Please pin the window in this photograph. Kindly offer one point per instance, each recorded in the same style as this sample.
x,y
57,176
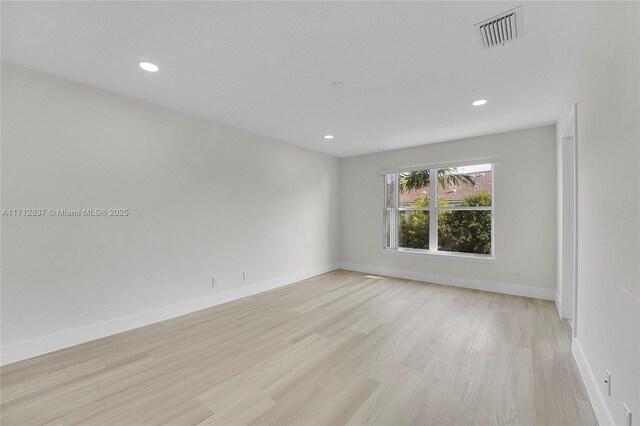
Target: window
x,y
450,214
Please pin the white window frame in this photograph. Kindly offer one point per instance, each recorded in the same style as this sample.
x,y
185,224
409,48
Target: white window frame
x,y
392,209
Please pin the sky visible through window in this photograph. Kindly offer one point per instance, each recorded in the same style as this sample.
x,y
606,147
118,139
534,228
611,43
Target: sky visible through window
x,y
473,169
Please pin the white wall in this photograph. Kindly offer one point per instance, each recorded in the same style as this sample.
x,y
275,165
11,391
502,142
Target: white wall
x,y
607,90
525,208
205,200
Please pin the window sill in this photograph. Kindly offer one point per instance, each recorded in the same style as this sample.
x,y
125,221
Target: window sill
x,y
444,255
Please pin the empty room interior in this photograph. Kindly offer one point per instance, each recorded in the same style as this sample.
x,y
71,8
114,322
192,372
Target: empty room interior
x,y
320,213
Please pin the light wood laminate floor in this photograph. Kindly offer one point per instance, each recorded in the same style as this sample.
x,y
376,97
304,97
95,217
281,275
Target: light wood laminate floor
x,y
340,348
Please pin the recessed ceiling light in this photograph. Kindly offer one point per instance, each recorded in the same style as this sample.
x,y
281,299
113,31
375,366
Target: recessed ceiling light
x,y
328,136
479,102
148,66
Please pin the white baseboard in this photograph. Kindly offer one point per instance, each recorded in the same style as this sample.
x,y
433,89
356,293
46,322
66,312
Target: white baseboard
x,y
496,287
53,342
593,389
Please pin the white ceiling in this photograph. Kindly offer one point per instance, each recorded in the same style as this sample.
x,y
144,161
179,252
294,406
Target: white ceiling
x,y
411,69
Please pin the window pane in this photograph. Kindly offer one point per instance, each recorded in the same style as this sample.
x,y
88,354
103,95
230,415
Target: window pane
x,y
388,190
466,231
414,230
465,186
390,218
414,189
387,228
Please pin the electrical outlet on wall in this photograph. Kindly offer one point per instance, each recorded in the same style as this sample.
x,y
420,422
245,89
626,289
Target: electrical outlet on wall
x,y
214,282
517,275
245,276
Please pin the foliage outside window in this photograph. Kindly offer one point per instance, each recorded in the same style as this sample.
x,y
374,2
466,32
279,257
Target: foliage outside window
x,y
459,221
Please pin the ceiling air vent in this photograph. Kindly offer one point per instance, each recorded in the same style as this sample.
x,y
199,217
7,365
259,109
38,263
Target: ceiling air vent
x,y
502,28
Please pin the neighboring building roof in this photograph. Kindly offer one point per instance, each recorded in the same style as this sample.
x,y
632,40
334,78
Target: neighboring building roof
x,y
455,193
